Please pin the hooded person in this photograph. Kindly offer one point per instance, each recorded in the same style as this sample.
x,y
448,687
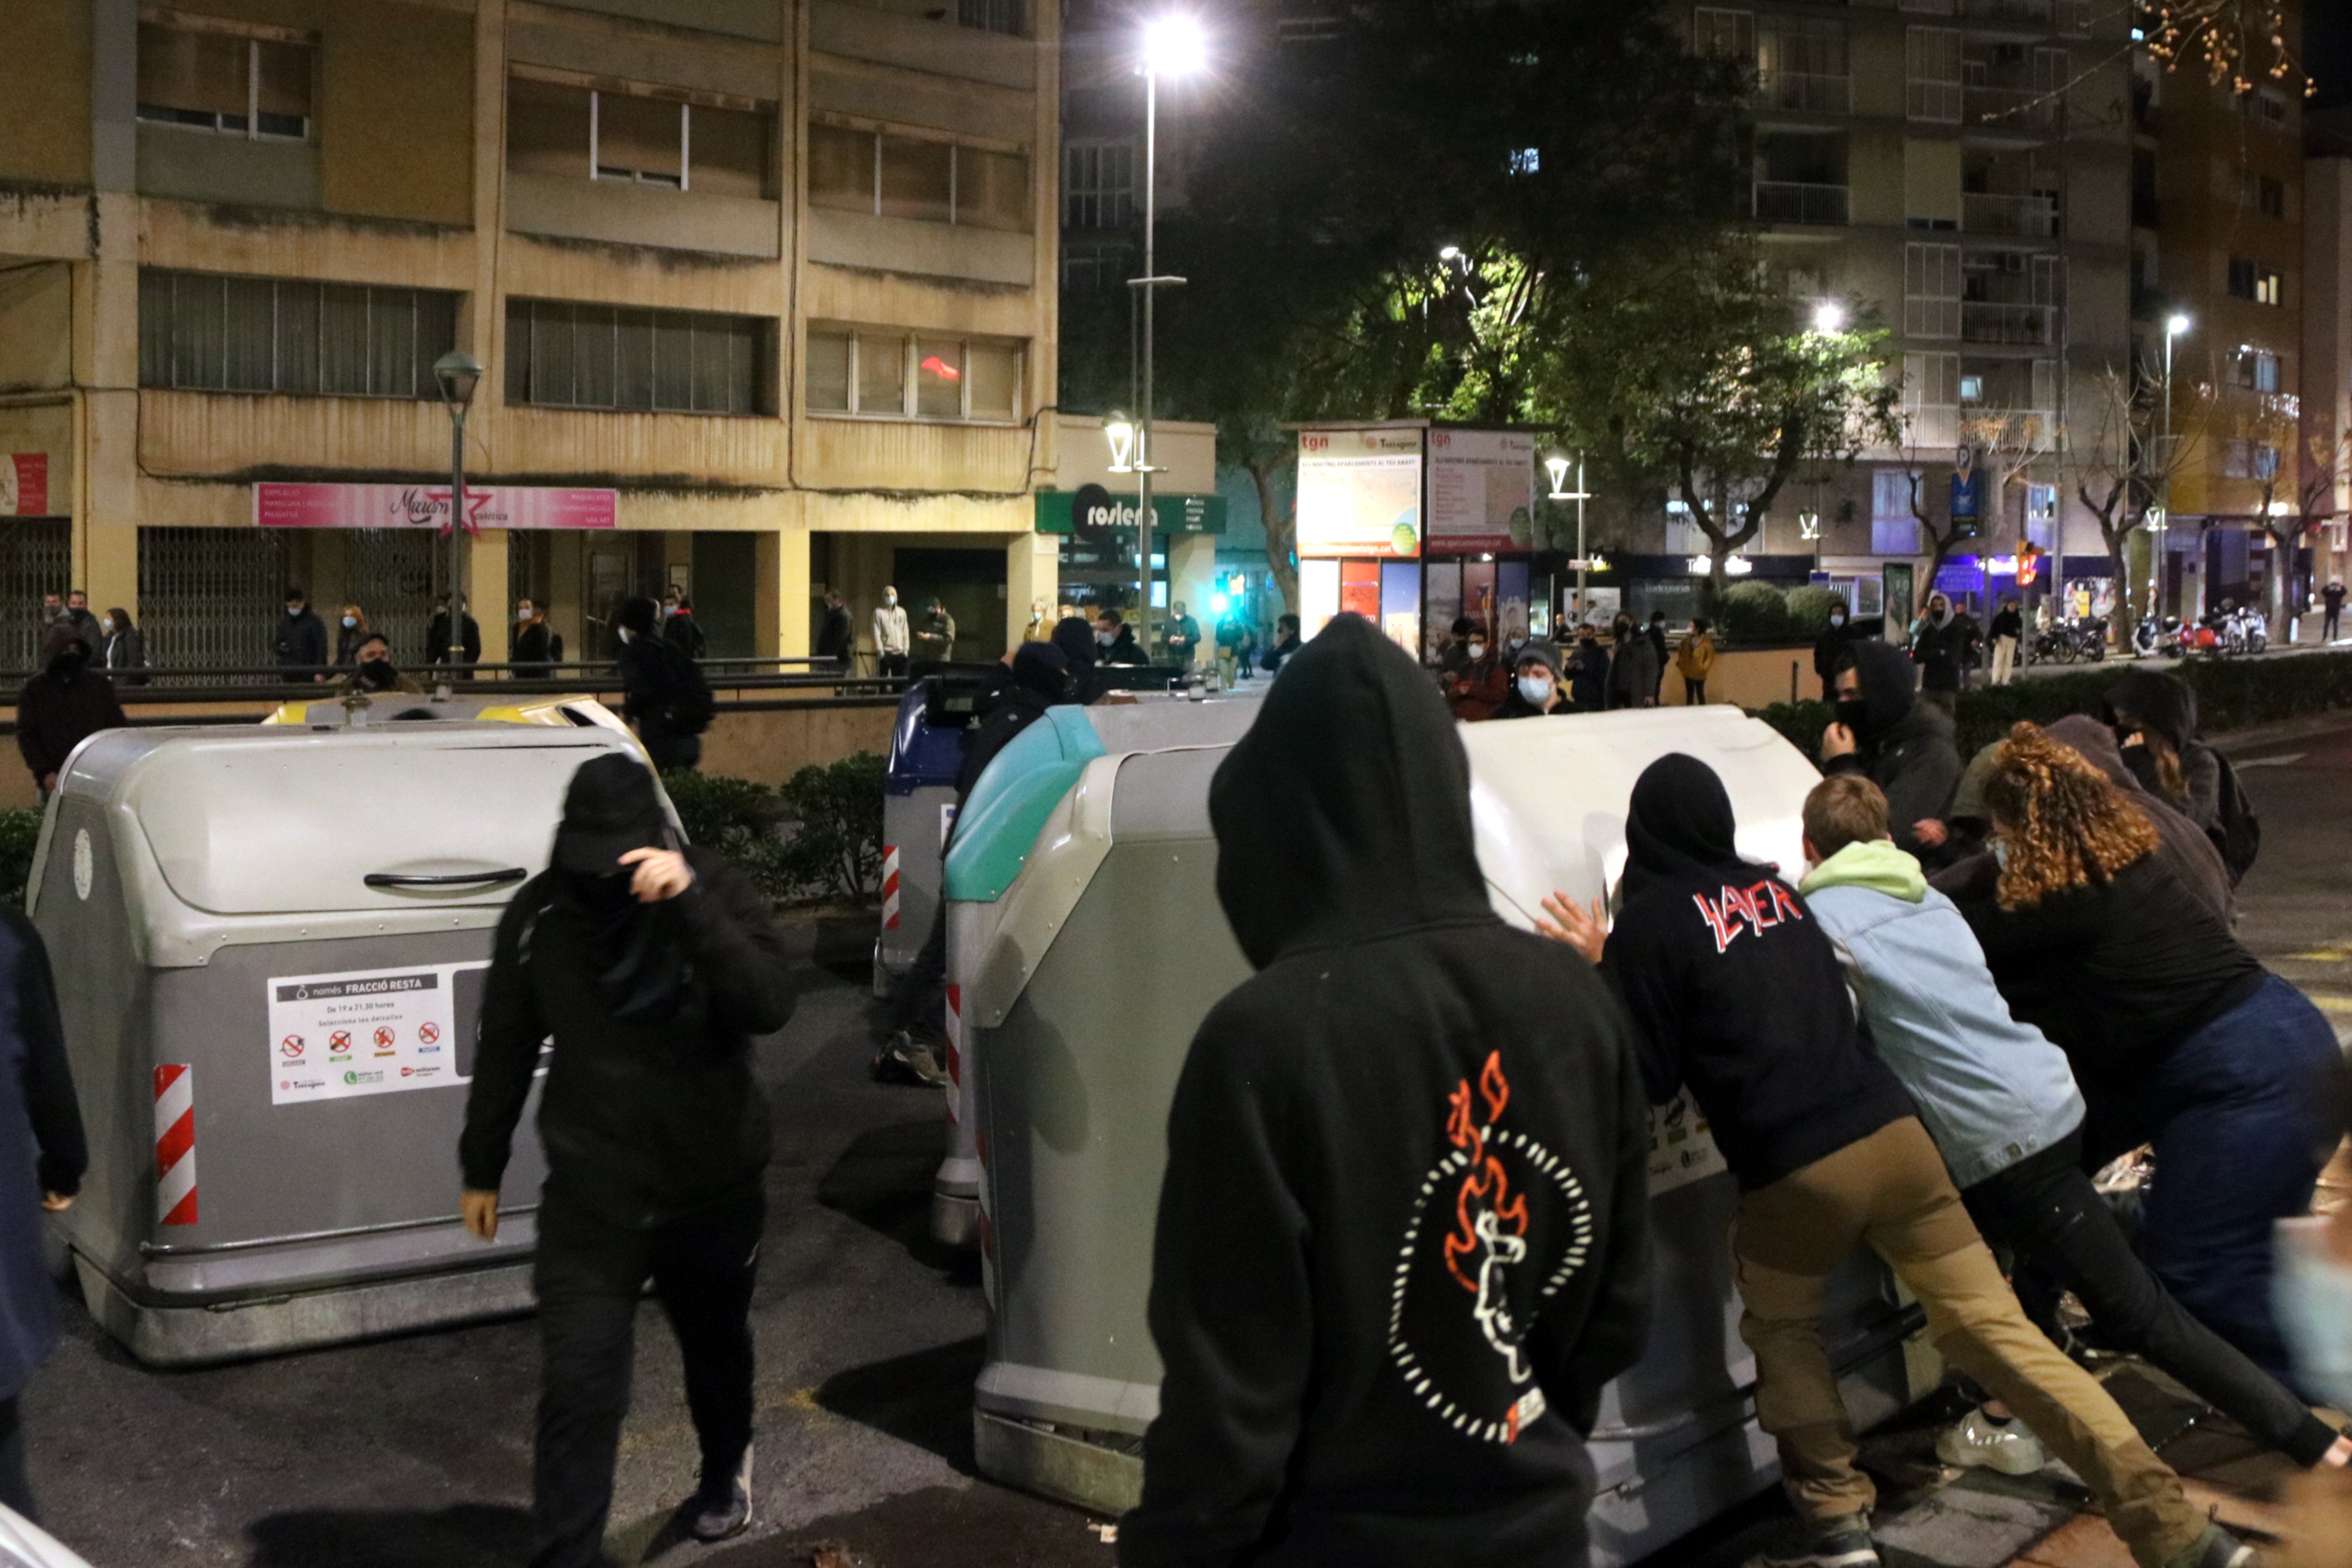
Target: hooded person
x,y
1588,672
1534,681
2185,847
2158,712
1040,678
1736,990
663,691
62,706
653,969
1373,1356
1830,648
1904,744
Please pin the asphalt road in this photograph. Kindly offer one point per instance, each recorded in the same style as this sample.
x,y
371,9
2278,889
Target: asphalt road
x,y
416,1451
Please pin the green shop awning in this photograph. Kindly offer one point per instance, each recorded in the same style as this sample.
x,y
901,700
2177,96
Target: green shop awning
x,y
1171,514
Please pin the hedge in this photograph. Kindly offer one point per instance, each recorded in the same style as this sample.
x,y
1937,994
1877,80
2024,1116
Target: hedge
x,y
19,831
817,835
2231,694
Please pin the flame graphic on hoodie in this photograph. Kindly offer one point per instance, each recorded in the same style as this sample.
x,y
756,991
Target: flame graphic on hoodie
x,y
1490,1221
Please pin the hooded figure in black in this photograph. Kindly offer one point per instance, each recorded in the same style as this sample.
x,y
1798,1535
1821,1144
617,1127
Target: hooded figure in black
x,y
1402,1239
652,969
663,691
2157,711
1040,677
1902,744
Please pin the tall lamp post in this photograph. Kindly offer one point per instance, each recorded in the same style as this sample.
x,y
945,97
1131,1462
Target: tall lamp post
x,y
459,373
1556,466
1173,46
2174,325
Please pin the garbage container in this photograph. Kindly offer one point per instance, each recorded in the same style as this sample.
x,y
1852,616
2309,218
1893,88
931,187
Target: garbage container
x,y
557,709
1019,803
270,944
1074,1072
927,745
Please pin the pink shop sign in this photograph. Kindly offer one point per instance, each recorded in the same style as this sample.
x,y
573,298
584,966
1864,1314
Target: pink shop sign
x,y
279,505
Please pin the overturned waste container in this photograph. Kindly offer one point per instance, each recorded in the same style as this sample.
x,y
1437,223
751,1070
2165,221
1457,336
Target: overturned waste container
x,y
1104,949
270,945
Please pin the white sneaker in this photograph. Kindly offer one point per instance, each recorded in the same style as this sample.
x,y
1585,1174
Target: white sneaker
x,y
1979,1441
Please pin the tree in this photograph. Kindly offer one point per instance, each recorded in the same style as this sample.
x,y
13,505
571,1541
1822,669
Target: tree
x,y
2125,467
2312,487
1693,377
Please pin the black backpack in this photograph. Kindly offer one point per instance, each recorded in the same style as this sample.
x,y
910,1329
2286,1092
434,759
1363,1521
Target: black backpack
x,y
688,709
2236,832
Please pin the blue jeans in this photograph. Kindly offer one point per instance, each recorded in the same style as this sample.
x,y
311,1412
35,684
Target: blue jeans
x,y
2236,1114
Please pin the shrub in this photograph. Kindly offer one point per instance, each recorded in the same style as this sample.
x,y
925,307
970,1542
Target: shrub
x,y
739,819
1809,609
19,831
1753,613
837,847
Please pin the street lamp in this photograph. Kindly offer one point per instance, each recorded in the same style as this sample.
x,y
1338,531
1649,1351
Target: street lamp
x,y
1174,45
1829,316
459,373
1557,467
2174,325
1122,436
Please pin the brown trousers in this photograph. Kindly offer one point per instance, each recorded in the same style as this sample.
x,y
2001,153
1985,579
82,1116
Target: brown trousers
x,y
1890,1192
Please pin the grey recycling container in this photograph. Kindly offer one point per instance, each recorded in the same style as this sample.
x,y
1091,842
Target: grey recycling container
x,y
270,945
935,721
1103,953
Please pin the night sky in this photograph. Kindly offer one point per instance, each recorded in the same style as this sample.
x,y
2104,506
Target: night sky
x,y
2327,50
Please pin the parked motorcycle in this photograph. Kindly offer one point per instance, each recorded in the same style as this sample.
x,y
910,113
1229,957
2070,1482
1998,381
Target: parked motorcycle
x,y
2063,642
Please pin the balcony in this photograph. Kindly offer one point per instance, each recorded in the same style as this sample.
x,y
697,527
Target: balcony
x,y
1795,201
2013,110
2027,217
1982,321
1934,101
1811,92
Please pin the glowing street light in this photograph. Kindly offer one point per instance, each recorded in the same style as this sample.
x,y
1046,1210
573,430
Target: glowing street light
x,y
1122,436
1173,45
1829,316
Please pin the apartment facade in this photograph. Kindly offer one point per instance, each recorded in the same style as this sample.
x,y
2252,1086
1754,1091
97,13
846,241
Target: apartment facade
x,y
763,290
1958,171
2327,378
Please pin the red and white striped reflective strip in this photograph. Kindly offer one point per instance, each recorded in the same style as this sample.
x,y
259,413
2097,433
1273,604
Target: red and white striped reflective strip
x,y
889,887
955,1046
176,1143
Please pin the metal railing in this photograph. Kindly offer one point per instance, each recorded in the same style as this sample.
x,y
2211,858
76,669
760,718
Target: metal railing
x,y
1818,91
1984,322
2011,107
1795,201
2029,218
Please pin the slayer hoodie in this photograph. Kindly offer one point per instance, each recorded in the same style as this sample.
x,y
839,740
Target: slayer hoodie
x,y
1402,1239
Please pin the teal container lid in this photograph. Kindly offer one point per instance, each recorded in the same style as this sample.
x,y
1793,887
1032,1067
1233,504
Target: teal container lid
x,y
1009,805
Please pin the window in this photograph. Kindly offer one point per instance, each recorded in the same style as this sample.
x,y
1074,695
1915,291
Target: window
x,y
555,128
1931,291
204,331
1971,389
1098,184
1932,61
1723,35
873,374
1931,396
2269,197
1525,161
1893,530
922,178
2268,105
991,15
2040,515
216,79
2253,280
2257,369
2244,460
565,355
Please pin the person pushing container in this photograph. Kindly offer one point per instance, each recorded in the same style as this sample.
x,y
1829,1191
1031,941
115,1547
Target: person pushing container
x,y
652,969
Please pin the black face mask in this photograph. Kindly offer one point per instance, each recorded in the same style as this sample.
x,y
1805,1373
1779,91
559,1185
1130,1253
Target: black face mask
x,y
1854,714
380,674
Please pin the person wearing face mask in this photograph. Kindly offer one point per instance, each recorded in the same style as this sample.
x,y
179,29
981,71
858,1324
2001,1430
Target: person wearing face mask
x,y
1830,648
1904,745
891,638
651,969
300,644
1633,667
1535,682
62,706
1287,642
1455,657
2178,1035
372,669
351,631
437,634
935,639
1939,641
125,656
85,625
1588,672
663,691
837,640
1115,639
533,655
1694,662
1479,686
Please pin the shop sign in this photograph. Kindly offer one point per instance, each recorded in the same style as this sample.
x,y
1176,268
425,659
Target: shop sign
x,y
1360,492
1482,491
25,485
283,505
1056,511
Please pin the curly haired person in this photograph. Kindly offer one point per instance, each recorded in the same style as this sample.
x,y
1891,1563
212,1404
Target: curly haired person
x,y
2177,1036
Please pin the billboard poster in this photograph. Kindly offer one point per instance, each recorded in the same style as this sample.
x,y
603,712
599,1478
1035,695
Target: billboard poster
x,y
1360,493
1482,491
25,485
283,505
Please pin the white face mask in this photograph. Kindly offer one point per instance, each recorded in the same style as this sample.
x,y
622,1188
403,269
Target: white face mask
x,y
628,635
106,623
1477,650
1535,688
1105,639
890,598
349,622
293,609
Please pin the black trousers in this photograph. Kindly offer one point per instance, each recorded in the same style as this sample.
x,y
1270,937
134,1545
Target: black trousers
x,y
891,663
670,749
16,1490
590,1276
2044,1209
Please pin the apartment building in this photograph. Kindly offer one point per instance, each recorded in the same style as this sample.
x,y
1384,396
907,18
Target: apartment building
x,y
1960,170
2326,378
2218,252
763,290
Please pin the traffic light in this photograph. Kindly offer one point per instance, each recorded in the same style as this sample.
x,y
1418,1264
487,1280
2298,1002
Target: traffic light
x,y
2029,564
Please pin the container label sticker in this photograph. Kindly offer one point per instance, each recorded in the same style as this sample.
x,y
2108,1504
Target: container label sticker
x,y
377,1031
1682,1146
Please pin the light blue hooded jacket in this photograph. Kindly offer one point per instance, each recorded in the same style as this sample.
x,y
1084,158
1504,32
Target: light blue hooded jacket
x,y
1991,1090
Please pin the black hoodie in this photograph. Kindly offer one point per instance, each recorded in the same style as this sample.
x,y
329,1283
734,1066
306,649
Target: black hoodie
x,y
1907,748
1402,1239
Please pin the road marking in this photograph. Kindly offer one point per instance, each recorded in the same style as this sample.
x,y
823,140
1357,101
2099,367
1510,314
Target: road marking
x,y
2286,760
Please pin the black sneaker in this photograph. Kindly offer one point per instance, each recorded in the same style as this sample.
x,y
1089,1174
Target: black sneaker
x,y
1844,1543
725,1509
2217,1548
